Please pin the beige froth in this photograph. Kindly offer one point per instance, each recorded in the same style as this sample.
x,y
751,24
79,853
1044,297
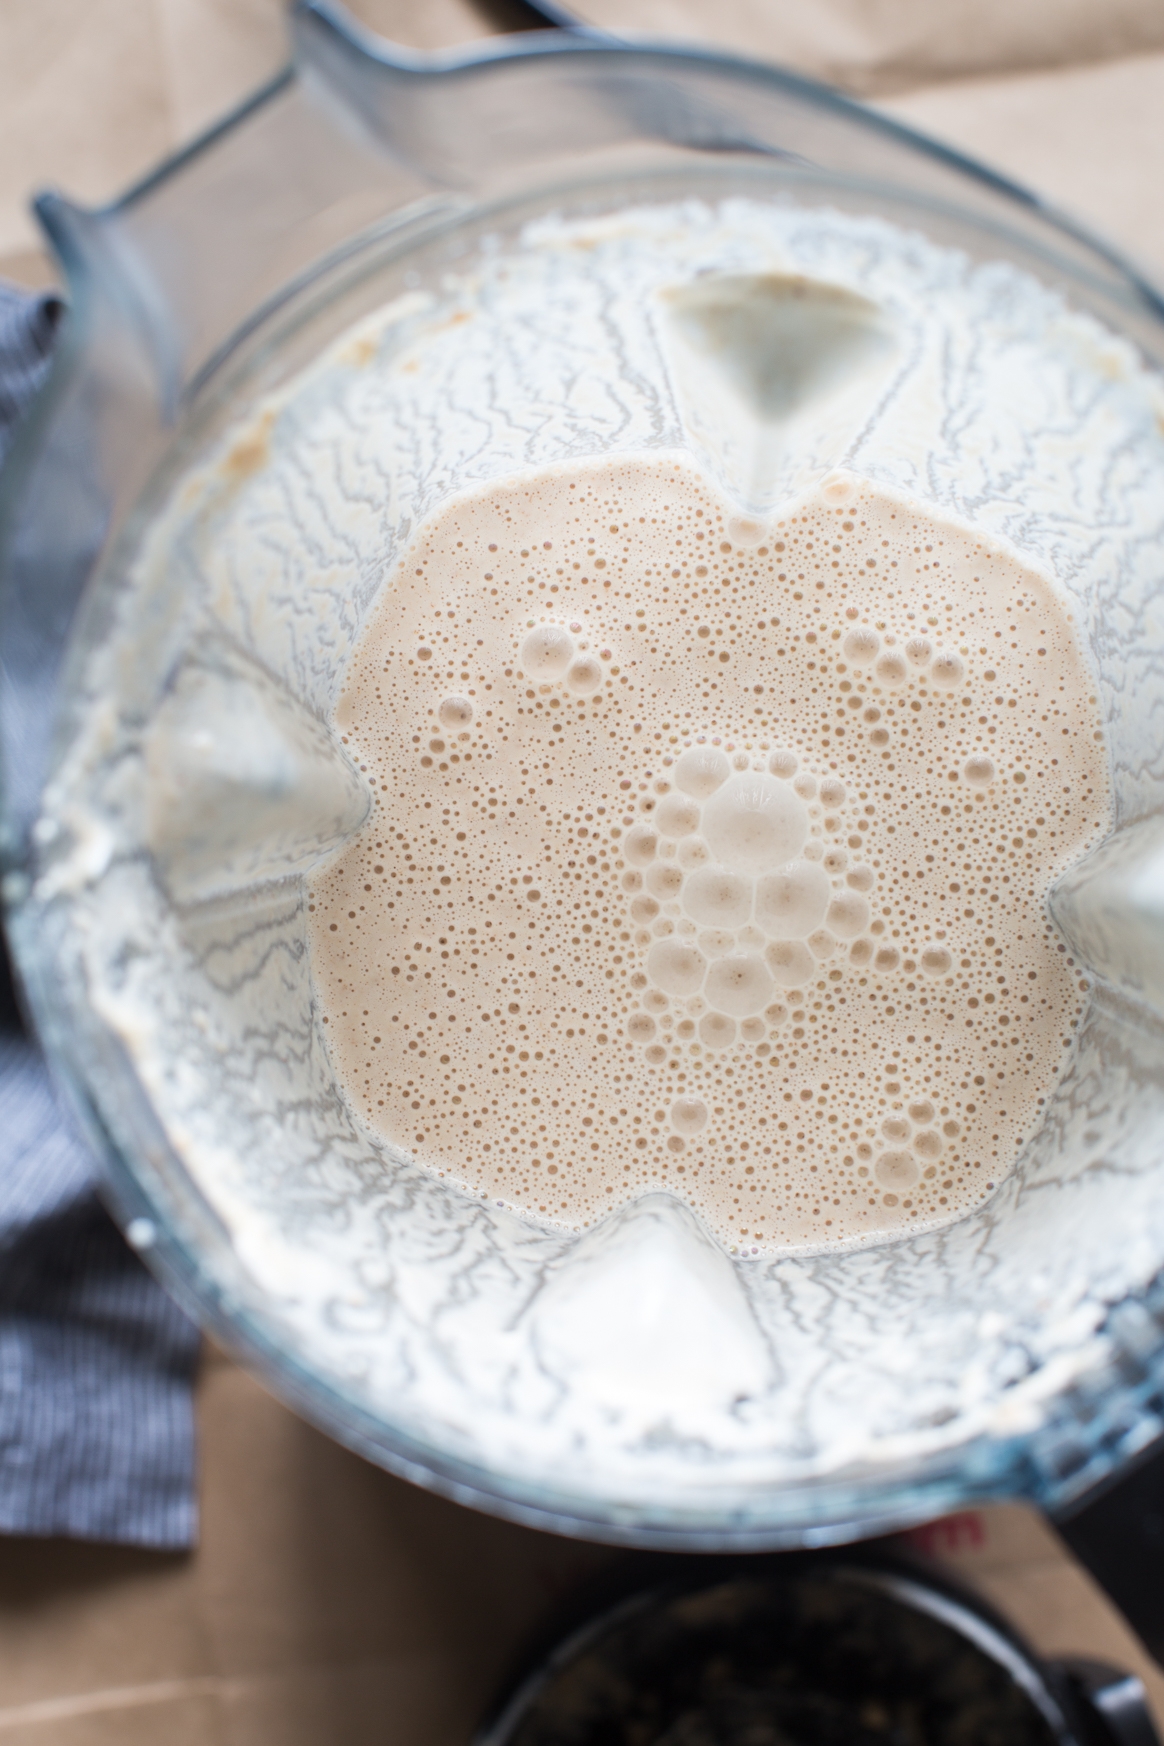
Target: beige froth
x,y
710,856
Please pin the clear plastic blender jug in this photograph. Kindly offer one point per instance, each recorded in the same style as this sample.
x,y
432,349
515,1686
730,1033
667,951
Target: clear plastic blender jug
x,y
171,779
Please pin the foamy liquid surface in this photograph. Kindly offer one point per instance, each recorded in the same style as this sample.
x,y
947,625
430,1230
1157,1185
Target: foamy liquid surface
x,y
709,855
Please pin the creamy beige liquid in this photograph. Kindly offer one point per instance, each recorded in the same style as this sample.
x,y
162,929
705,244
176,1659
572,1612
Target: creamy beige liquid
x,y
710,856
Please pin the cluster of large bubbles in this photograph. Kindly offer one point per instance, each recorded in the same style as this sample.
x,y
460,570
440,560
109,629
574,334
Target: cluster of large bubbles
x,y
741,888
731,895
560,654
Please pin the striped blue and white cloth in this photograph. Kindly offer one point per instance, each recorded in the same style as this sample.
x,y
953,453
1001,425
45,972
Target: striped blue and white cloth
x,y
96,1363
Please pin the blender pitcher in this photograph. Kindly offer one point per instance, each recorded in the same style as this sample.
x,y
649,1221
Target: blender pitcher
x,y
171,779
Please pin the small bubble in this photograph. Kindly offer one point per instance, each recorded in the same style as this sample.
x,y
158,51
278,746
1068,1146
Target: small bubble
x,y
861,646
701,770
639,845
790,905
948,670
745,530
692,852
848,914
455,712
738,985
676,967
716,1031
897,1170
978,771
664,880
584,676
676,815
752,823
717,898
547,652
891,669
688,1115
790,962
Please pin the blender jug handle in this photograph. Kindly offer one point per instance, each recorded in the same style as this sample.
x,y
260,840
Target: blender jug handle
x,y
1117,1533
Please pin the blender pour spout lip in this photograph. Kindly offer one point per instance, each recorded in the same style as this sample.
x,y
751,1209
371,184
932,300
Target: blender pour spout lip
x,y
1116,1531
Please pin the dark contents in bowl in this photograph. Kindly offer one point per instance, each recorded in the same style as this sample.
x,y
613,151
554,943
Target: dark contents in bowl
x,y
830,1659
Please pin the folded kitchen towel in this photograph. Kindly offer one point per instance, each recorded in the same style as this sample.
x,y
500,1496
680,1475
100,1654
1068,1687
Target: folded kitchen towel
x,y
96,1363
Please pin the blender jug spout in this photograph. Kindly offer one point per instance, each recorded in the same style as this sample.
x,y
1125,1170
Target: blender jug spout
x,y
1110,910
